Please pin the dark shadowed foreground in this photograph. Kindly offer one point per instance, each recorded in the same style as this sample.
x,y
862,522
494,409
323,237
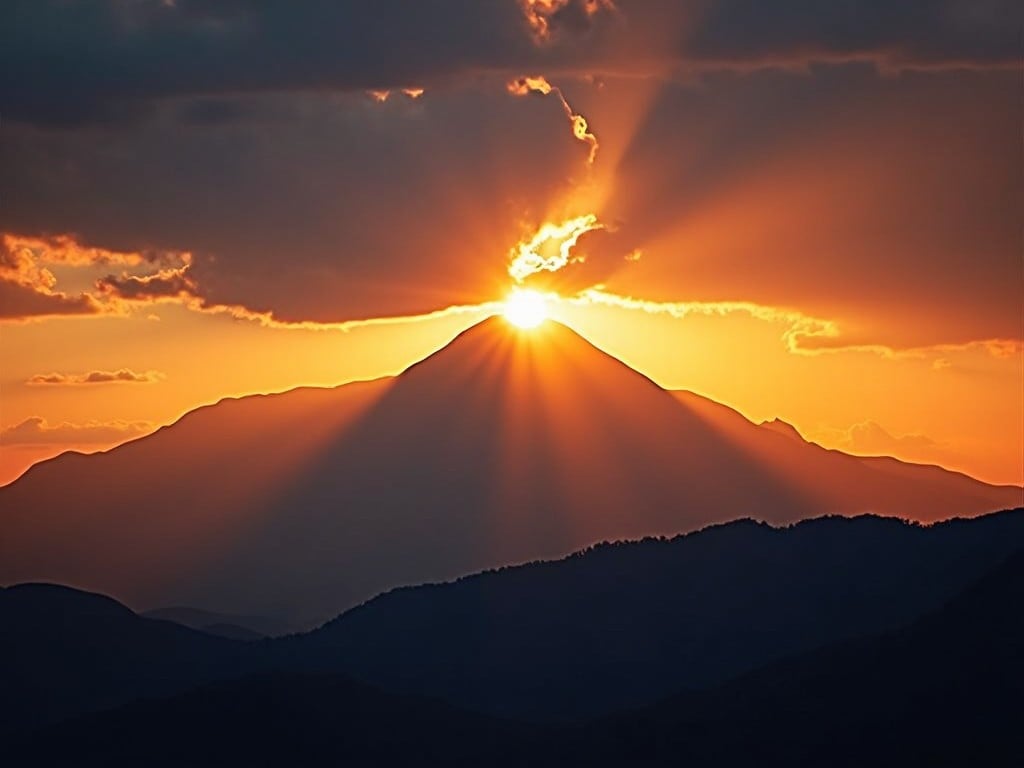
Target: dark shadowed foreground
x,y
834,642
946,690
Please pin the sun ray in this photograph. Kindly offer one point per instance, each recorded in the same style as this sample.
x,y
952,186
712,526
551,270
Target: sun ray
x,y
526,309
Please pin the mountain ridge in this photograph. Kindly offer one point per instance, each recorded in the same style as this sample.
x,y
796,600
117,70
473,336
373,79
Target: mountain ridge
x,y
95,667
501,447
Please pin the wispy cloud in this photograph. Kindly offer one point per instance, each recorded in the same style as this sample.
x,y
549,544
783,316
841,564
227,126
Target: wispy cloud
x,y
803,334
123,375
35,430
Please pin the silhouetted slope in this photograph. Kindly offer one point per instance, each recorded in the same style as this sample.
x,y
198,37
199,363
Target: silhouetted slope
x,y
64,652
618,625
285,720
255,626
946,691
625,624
502,447
876,484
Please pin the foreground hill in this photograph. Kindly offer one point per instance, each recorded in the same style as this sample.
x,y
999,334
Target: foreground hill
x,y
947,690
616,626
238,627
64,652
624,624
503,447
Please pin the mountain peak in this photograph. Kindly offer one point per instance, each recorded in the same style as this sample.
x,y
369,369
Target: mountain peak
x,y
550,350
782,428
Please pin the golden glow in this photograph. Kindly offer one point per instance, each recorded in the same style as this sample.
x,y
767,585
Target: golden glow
x,y
526,309
524,85
955,405
550,247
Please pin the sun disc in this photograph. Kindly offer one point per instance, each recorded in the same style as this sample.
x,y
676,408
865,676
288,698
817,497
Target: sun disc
x,y
526,309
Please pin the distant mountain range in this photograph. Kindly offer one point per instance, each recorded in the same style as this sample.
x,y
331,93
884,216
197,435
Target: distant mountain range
x,y
64,652
625,624
832,642
503,447
617,626
223,625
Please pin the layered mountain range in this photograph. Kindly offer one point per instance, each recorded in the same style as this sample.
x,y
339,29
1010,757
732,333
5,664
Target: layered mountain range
x,y
503,447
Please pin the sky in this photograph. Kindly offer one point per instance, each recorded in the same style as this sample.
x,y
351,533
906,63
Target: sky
x,y
807,211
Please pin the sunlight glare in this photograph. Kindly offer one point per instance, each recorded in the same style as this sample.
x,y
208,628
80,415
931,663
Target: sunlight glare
x,y
526,309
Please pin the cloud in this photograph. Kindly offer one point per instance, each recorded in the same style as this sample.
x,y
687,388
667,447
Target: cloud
x,y
838,192
870,437
27,290
37,431
578,123
21,301
71,59
65,249
550,248
167,284
316,213
123,375
829,189
548,18
590,259
802,334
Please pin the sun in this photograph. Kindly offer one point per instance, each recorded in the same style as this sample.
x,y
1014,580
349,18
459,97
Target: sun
x,y
526,309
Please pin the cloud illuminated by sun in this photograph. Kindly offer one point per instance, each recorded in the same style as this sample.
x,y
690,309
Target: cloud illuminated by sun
x,y
550,247
525,309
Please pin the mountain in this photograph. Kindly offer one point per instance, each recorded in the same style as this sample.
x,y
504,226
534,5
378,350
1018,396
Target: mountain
x,y
879,484
502,447
945,690
281,720
64,652
227,625
622,625
615,626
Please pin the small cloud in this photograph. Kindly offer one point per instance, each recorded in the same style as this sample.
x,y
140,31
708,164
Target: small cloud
x,y
868,438
1004,349
124,375
35,430
871,437
165,284
547,18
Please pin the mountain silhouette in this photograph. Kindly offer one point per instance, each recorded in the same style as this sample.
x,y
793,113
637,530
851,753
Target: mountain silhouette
x,y
65,652
282,720
502,447
945,690
227,625
622,625
612,627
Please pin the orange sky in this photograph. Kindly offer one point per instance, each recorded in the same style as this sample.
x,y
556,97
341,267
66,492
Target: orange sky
x,y
803,224
960,408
